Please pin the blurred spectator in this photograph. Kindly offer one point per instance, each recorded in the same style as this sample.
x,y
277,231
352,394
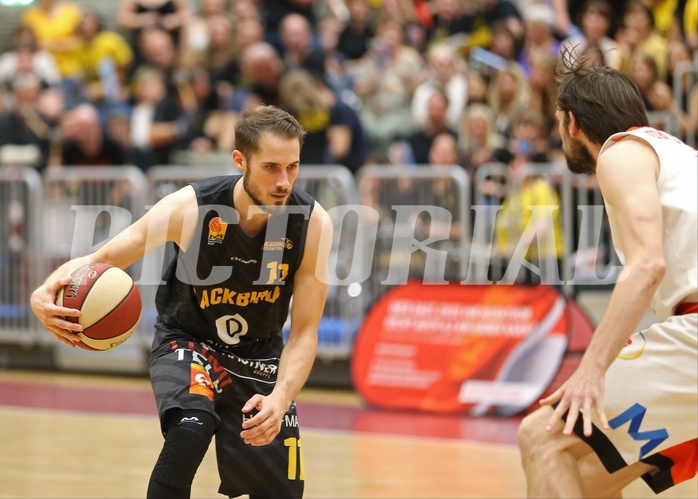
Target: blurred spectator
x,y
530,216
241,10
690,24
336,74
435,123
196,31
666,22
354,39
444,152
637,34
261,70
300,97
149,89
477,137
190,121
384,81
274,11
539,23
445,72
656,94
449,24
568,14
298,47
595,20
529,140
334,130
55,25
508,95
25,132
105,57
85,142
541,80
404,13
28,58
505,43
220,58
158,51
134,16
685,88
477,87
490,13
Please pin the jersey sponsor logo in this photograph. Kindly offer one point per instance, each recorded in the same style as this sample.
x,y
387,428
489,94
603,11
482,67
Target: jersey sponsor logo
x,y
200,382
285,243
635,415
225,296
216,231
634,347
231,328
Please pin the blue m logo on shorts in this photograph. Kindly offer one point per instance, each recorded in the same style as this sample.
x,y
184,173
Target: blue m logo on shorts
x,y
635,415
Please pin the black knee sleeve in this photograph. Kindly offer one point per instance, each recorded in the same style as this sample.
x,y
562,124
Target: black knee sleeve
x,y
188,435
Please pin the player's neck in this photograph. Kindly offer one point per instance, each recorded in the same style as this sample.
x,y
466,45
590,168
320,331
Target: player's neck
x,y
252,219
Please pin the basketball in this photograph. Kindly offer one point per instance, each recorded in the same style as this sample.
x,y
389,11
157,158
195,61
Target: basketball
x,y
109,301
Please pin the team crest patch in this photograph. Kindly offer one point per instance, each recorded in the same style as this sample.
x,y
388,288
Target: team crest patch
x,y
216,231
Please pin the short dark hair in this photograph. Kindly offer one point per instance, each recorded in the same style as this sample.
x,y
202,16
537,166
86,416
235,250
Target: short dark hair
x,y
265,119
603,100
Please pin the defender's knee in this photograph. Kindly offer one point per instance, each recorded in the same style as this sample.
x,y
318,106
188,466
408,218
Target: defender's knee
x,y
531,434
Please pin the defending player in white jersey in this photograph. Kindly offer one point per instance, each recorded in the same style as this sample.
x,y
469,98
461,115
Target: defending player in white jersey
x,y
631,408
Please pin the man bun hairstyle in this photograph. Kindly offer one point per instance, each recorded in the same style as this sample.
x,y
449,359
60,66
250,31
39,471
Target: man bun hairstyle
x,y
603,100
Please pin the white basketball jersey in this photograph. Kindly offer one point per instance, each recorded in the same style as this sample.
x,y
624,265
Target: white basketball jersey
x,y
678,195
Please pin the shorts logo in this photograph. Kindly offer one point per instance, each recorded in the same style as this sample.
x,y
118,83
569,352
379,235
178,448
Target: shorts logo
x,y
634,347
216,231
634,416
200,382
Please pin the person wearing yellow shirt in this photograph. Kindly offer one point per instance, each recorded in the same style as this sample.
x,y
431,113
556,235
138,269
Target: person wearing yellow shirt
x,y
105,57
54,24
530,217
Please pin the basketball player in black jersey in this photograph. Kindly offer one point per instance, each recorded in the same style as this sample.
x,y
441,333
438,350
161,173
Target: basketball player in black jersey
x,y
244,245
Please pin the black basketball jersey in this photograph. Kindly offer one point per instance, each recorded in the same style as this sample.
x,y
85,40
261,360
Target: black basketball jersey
x,y
230,290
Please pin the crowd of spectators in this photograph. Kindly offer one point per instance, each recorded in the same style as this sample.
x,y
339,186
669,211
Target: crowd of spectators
x,y
439,82
373,81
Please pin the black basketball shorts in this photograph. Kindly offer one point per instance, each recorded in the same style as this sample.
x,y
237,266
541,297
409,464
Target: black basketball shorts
x,y
189,375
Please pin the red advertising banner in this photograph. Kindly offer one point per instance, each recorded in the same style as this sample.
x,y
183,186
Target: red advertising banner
x,y
481,350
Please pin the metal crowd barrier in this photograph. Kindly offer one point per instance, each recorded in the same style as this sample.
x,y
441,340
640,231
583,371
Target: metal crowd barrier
x,y
391,224
83,208
587,256
21,258
416,223
689,70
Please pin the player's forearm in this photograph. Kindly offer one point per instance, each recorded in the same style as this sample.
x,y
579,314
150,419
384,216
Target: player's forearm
x,y
629,302
295,365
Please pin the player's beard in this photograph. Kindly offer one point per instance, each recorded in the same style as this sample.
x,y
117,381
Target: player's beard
x,y
579,159
255,194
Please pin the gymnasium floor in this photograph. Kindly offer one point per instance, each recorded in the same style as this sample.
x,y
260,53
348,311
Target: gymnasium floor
x,y
88,436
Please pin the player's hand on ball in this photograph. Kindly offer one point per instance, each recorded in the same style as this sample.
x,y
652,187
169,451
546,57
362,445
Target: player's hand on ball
x,y
52,316
264,426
